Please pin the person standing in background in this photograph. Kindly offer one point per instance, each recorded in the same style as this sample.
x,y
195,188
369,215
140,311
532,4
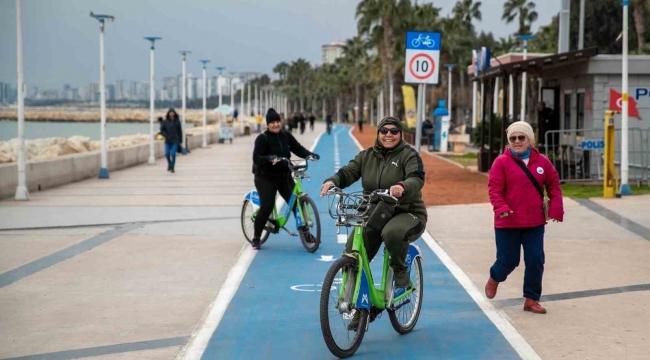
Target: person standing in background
x,y
172,130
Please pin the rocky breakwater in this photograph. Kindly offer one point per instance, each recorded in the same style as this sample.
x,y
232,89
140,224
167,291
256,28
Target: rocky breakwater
x,y
48,148
90,114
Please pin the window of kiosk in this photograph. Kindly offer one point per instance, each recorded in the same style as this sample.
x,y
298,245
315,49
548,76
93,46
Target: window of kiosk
x,y
567,111
580,112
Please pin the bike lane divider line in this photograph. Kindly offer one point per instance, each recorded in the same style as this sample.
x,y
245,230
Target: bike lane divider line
x,y
516,340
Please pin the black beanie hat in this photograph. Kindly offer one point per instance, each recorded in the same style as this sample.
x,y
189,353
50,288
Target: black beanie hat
x,y
389,120
272,116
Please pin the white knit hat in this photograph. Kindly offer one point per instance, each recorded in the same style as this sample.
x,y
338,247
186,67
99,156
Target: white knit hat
x,y
522,127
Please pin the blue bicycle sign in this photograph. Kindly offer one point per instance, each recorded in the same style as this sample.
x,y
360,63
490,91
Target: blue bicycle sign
x,y
423,40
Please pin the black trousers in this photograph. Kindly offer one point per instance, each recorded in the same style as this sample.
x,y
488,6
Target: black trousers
x,y
267,187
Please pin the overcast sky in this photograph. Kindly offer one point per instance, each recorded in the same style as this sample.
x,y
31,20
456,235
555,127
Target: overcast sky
x,y
61,41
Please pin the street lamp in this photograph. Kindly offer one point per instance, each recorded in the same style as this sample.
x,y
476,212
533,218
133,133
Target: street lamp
x,y
21,189
103,170
184,53
522,115
152,97
220,68
625,165
232,91
449,67
205,129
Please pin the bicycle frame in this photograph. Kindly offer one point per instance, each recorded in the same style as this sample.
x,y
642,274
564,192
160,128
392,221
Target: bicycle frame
x,y
295,195
367,295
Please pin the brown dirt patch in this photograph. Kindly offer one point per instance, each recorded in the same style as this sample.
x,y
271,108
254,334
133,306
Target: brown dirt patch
x,y
445,183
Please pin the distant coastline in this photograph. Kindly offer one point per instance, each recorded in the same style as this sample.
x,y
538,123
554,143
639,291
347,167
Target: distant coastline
x,y
55,114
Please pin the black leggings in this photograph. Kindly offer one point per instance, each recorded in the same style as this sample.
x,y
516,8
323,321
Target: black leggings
x,y
267,187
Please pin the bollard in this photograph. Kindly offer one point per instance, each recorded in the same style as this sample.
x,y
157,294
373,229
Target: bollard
x,y
608,181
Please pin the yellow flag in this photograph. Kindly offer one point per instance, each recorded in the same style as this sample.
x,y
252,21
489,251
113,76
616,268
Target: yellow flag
x,y
409,105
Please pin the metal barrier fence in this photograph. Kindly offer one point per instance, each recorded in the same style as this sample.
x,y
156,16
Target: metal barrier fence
x,y
578,154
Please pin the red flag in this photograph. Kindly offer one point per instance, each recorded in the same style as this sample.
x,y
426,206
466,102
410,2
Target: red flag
x,y
616,104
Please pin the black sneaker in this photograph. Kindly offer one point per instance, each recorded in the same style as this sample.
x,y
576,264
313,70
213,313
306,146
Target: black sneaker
x,y
402,280
169,168
256,244
354,324
172,170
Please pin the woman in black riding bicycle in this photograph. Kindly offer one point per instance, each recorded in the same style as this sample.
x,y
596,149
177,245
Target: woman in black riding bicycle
x,y
390,164
271,175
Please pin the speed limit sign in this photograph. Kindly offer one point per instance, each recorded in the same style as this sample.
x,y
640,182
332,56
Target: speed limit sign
x,y
422,58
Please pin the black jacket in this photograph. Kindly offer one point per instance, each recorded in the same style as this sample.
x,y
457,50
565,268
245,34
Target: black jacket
x,y
280,145
172,131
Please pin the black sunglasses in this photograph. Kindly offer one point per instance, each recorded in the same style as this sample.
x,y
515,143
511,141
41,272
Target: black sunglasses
x,y
385,131
521,138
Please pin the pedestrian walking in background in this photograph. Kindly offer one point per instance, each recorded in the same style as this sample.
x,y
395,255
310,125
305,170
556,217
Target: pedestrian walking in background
x,y
312,118
172,131
521,212
301,120
258,121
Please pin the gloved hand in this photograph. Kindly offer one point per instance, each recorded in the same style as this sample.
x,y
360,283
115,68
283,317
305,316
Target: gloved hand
x,y
315,156
271,158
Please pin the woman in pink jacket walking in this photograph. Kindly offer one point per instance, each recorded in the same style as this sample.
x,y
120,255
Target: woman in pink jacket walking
x,y
515,187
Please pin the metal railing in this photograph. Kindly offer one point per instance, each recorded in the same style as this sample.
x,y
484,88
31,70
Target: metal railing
x,y
578,154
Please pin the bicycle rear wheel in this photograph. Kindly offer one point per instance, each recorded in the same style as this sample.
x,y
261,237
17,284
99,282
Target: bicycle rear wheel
x,y
310,235
247,223
336,310
406,316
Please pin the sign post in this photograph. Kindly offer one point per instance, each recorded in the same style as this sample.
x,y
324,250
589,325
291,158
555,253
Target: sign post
x,y
608,178
421,67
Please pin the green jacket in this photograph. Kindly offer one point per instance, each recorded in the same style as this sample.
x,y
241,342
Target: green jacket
x,y
380,169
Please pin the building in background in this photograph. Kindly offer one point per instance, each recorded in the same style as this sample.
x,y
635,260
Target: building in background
x,y
332,51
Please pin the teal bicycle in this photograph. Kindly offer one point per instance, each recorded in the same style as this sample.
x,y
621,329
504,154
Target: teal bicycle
x,y
306,214
349,288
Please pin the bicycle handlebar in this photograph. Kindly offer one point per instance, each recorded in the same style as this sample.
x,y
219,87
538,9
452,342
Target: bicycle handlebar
x,y
297,167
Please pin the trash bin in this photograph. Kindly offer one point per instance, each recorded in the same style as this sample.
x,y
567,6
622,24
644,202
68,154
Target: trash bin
x,y
247,130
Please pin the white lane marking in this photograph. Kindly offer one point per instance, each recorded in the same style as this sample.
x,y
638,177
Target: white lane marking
x,y
326,258
497,317
341,238
337,158
355,139
208,325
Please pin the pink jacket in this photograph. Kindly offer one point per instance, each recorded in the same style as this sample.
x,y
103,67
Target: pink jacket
x,y
511,190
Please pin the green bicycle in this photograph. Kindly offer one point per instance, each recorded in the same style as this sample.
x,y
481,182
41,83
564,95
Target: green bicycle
x,y
307,219
349,288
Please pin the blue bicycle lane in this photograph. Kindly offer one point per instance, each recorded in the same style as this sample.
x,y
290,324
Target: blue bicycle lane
x,y
274,313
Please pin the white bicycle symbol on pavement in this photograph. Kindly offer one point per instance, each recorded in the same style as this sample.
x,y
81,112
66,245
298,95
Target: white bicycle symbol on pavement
x,y
424,40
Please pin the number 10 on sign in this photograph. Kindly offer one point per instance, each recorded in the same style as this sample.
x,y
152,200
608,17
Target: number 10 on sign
x,y
422,58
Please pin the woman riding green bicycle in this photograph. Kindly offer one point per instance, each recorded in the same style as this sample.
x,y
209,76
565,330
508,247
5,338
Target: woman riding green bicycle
x,y
271,174
390,164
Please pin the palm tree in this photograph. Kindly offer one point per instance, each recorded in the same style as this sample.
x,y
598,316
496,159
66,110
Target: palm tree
x,y
467,10
504,45
299,72
640,9
379,16
281,69
523,9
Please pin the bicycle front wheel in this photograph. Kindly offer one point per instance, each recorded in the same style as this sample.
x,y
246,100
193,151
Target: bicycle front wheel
x,y
406,316
248,225
336,309
310,234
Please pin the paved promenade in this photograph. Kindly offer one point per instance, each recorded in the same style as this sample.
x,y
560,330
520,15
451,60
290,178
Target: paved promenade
x,y
153,265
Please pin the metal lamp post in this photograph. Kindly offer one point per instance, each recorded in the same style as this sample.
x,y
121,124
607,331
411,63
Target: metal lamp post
x,y
152,99
183,100
449,67
522,115
103,170
21,190
205,126
625,164
220,68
